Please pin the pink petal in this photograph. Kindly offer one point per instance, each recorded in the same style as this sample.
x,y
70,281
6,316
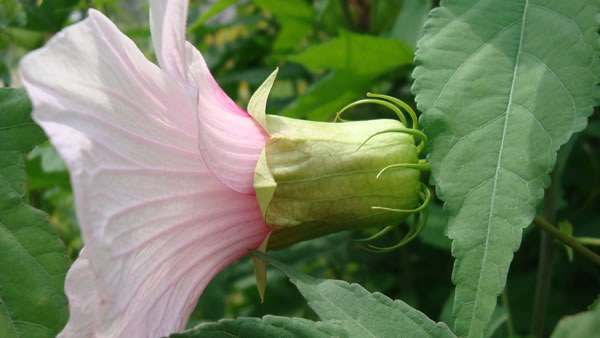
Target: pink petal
x,y
229,140
156,223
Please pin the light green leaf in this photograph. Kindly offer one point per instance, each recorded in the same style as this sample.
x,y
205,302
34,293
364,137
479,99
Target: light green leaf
x,y
17,130
327,96
295,19
267,327
11,12
362,313
355,61
585,324
33,262
500,95
356,52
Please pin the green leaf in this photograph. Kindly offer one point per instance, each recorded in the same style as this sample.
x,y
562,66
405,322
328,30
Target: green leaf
x,y
17,130
11,12
383,15
328,95
355,61
356,52
362,313
47,15
267,327
33,263
499,96
585,324
409,23
295,18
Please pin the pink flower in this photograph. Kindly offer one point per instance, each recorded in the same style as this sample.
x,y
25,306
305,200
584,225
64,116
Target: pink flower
x,y
161,164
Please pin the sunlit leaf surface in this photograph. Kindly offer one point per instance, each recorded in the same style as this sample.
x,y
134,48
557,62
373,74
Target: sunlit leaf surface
x,y
500,95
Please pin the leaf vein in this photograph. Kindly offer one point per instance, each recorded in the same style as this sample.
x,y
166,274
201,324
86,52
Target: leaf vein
x,y
562,84
484,258
473,54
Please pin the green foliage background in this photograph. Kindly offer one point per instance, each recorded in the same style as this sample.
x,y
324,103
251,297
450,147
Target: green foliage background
x,y
330,53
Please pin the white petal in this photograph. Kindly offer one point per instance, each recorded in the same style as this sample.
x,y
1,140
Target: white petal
x,y
167,25
82,291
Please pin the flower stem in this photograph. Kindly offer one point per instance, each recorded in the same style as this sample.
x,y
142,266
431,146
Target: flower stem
x,y
576,244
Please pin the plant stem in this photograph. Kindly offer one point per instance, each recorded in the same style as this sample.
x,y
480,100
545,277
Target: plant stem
x,y
510,331
569,241
544,273
544,281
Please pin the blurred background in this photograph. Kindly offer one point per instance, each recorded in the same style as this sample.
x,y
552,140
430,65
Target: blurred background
x,y
329,53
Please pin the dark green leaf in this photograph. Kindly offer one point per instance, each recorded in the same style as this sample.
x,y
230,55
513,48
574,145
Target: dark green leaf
x,y
408,27
585,324
32,264
47,15
434,233
500,95
17,130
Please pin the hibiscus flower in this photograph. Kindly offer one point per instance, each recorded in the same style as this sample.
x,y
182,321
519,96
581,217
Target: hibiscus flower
x,y
161,162
173,181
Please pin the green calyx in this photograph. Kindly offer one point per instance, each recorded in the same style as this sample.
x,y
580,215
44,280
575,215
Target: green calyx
x,y
316,178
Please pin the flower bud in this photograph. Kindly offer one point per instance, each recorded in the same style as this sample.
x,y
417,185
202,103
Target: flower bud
x,y
316,178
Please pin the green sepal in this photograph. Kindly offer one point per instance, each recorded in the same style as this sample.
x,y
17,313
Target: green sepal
x,y
258,102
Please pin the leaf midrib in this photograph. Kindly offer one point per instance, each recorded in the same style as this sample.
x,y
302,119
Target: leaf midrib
x,y
499,161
